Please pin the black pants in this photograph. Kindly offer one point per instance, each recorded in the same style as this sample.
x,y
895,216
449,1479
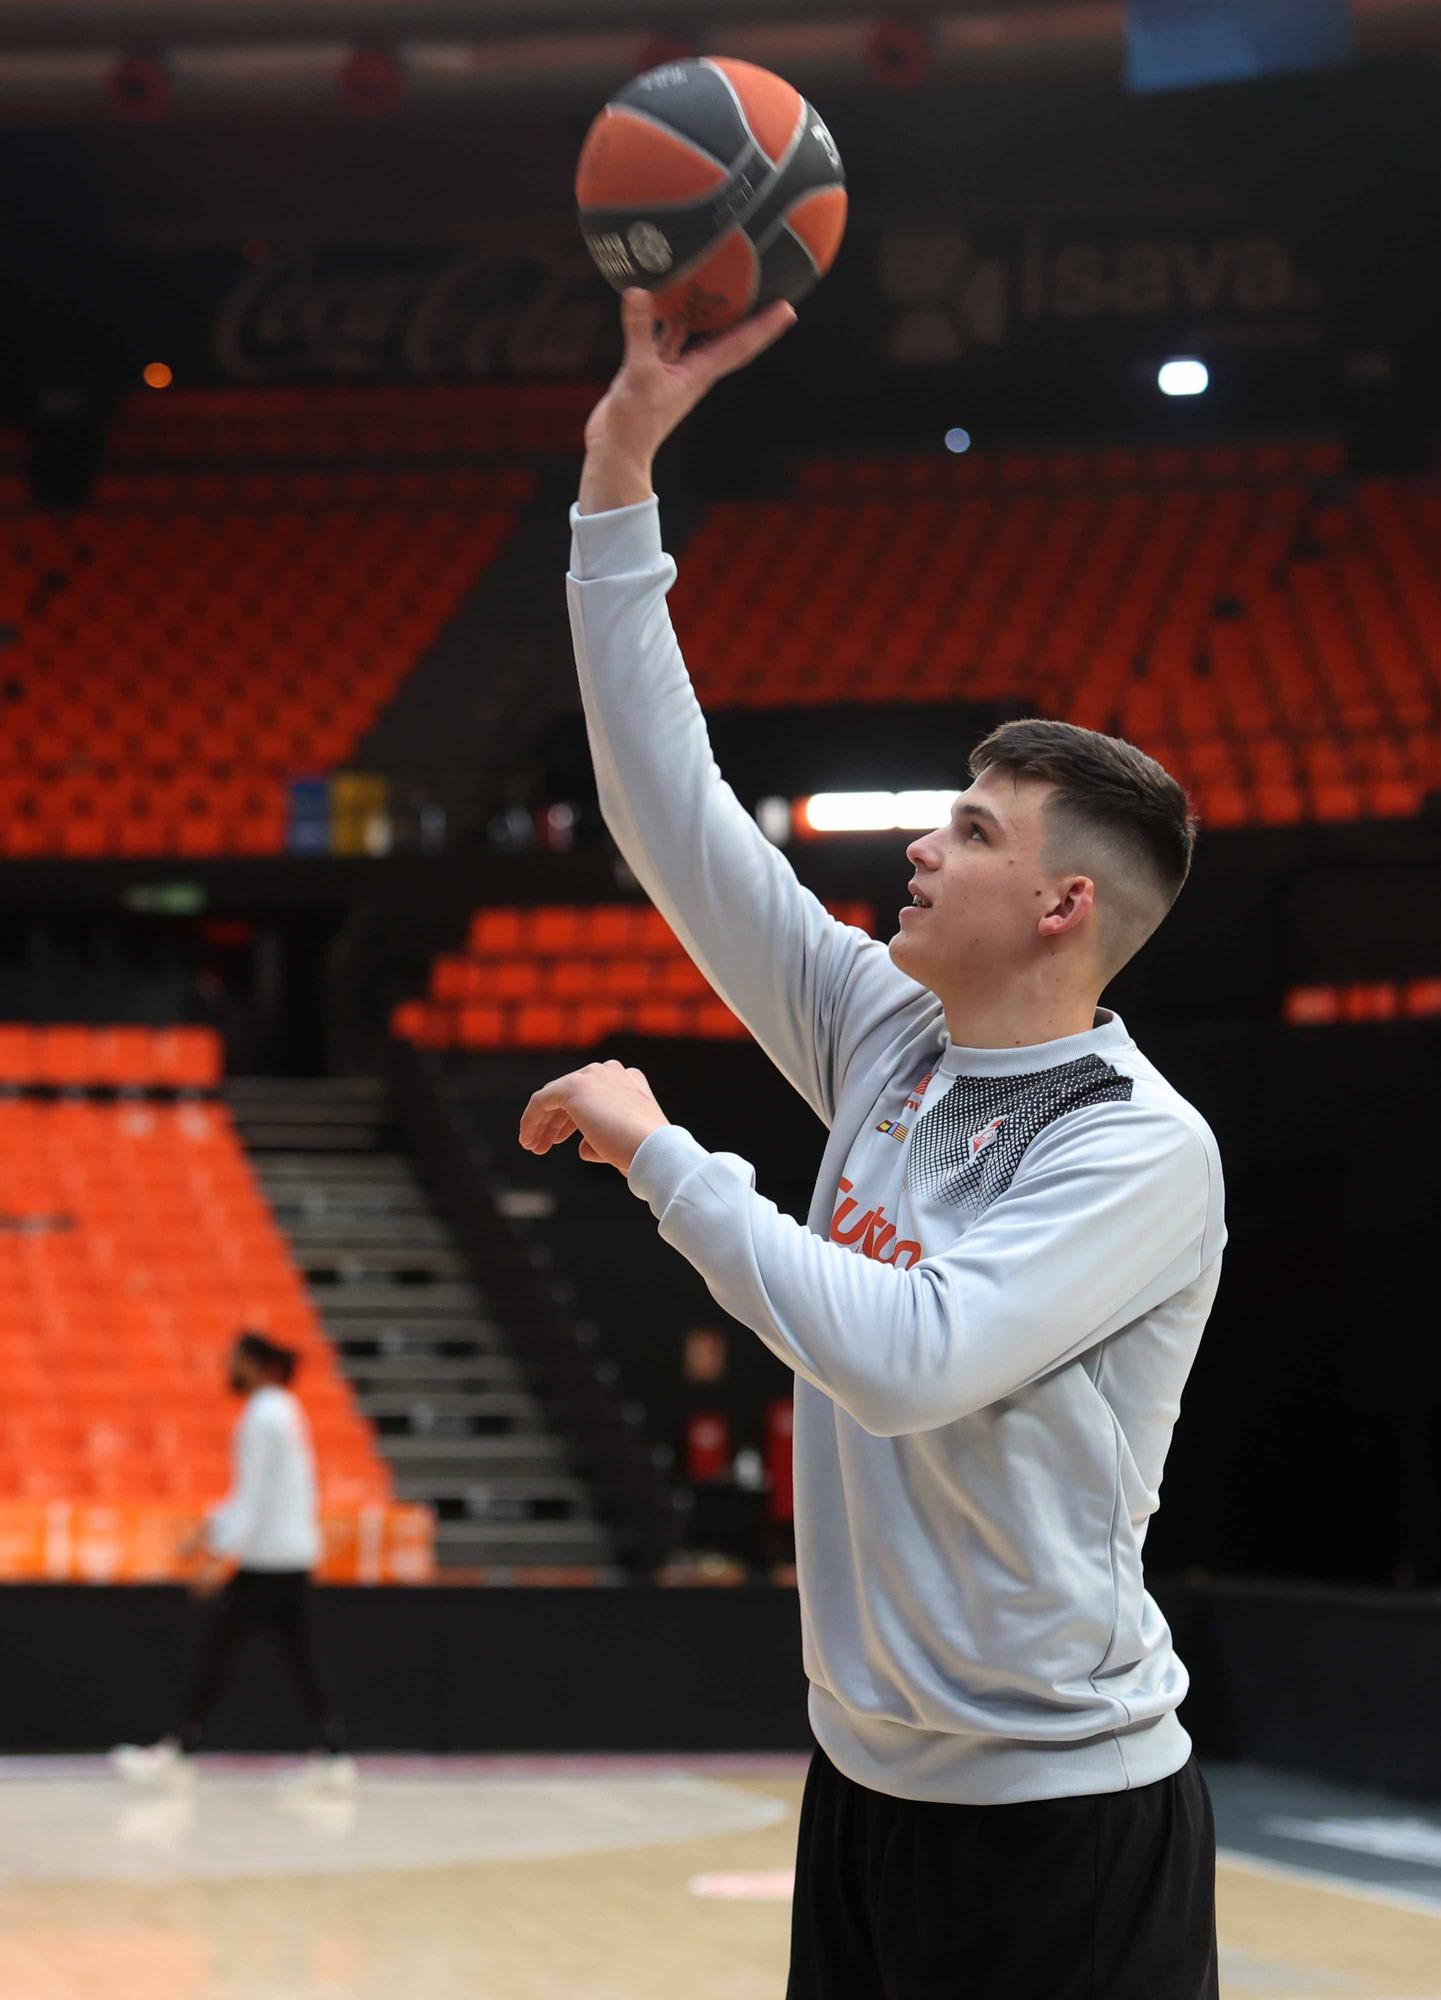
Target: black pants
x,y
252,1600
1108,1896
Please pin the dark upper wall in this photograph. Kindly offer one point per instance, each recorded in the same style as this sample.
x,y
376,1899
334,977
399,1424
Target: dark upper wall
x,y
1018,256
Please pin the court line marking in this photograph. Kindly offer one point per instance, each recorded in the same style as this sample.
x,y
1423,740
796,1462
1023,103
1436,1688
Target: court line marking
x,y
393,1765
1366,1892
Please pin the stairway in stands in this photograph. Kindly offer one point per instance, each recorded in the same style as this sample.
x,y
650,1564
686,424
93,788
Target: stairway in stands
x,y
459,1418
502,670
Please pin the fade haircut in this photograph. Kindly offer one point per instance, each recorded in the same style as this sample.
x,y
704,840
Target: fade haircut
x,y
1115,815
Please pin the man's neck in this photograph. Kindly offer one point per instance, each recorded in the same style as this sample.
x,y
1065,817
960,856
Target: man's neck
x,y
1008,1024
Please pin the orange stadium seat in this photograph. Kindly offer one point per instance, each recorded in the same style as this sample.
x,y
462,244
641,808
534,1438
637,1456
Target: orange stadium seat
x,y
114,1327
158,649
566,977
1240,592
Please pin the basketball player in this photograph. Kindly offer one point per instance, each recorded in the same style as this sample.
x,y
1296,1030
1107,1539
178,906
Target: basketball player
x,y
268,1527
1012,1251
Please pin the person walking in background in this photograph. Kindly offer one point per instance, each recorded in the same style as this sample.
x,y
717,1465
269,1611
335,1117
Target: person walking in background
x,y
268,1527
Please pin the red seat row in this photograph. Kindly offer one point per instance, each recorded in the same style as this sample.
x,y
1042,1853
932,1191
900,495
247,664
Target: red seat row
x,y
566,976
116,1057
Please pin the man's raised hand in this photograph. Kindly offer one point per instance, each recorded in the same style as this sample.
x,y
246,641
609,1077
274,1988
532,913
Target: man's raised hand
x,y
660,381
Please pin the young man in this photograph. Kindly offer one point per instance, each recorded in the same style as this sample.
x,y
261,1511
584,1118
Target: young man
x,y
1012,1251
268,1525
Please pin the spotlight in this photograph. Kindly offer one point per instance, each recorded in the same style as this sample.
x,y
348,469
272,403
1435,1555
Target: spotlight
x,y
1184,376
958,440
156,375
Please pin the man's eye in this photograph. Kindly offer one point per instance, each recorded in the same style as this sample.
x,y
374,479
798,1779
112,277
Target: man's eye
x,y
976,829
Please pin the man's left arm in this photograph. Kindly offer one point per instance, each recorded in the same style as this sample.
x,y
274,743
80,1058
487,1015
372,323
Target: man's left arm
x,y
1105,1218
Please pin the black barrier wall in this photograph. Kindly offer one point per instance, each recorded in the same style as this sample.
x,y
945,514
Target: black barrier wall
x,y
1337,1683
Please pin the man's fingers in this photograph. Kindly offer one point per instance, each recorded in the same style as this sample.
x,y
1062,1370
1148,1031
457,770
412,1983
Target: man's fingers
x,y
728,351
637,318
542,1118
549,1130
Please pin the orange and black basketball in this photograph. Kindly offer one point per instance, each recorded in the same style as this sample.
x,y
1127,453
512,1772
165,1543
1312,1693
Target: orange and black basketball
x,y
714,185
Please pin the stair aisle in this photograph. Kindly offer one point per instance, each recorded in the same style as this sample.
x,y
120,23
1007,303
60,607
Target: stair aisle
x,y
458,1417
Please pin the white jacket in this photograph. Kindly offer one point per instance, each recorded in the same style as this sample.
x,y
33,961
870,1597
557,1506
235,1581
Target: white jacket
x,y
1009,1260
268,1521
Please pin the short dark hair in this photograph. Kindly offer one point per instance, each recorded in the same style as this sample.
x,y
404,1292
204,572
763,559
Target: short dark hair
x,y
1112,805
276,1360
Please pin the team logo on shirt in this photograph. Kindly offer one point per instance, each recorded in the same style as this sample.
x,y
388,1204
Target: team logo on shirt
x,y
978,1141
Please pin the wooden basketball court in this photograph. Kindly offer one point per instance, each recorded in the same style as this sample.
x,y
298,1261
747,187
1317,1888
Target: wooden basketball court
x,y
537,1879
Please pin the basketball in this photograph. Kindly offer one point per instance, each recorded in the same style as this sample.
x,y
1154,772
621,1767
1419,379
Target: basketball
x,y
716,186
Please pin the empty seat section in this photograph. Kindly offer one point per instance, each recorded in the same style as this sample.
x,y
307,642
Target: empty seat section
x,y
1242,592
565,976
199,636
136,1243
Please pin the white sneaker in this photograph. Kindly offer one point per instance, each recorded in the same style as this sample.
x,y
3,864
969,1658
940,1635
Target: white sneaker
x,y
152,1763
326,1772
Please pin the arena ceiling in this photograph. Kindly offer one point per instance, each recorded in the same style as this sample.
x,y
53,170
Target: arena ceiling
x,y
54,24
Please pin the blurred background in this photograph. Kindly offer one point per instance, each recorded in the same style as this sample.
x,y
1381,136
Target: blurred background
x,y
1119,405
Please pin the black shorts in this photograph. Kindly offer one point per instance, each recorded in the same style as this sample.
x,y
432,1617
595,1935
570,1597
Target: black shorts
x,y
1109,1896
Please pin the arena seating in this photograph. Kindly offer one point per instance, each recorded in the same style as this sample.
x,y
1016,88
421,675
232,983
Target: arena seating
x,y
252,581
359,424
259,569
565,977
134,1245
120,1058
1364,1000
1266,626
179,661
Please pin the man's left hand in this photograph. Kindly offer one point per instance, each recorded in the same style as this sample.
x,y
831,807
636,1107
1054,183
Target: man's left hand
x,y
609,1105
211,1580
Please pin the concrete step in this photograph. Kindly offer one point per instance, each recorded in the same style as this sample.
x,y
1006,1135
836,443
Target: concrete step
x,y
308,1208
441,1340
374,1299
292,1135
538,1501
442,1408
497,1413
334,1240
428,1375
377,1168
364,1257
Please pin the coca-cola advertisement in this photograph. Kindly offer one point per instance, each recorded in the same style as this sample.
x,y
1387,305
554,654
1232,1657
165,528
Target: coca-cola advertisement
x,y
442,313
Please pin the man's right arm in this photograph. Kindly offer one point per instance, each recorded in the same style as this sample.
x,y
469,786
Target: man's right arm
x,y
807,986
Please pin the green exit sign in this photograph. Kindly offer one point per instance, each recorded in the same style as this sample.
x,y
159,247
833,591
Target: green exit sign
x,y
166,899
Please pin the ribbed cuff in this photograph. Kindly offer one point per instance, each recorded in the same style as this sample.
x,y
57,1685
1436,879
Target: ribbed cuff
x,y
617,542
660,1163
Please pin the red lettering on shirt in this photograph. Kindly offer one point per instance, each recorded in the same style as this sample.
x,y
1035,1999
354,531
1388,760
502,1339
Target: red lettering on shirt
x,y
872,1232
